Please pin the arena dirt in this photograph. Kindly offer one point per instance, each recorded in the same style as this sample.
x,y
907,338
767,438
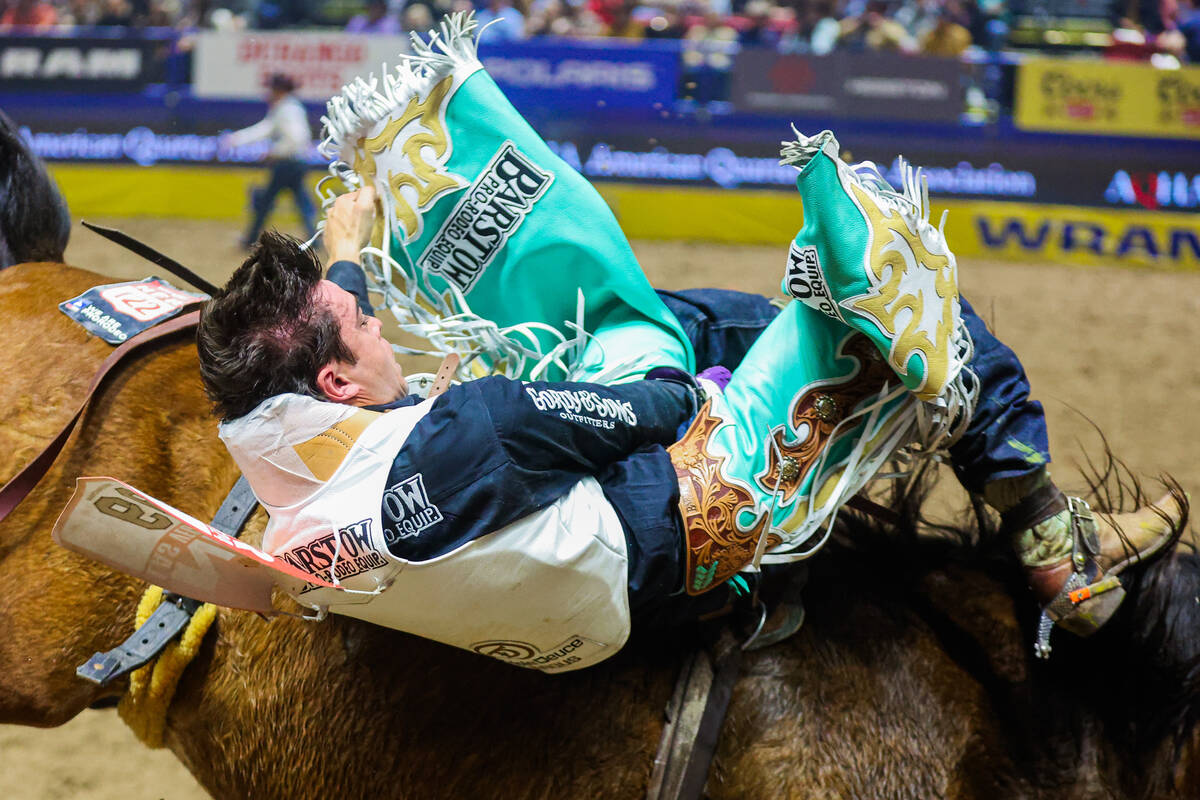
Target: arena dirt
x,y
1110,347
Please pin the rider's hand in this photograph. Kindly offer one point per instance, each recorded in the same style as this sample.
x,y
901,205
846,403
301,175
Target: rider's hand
x,y
349,224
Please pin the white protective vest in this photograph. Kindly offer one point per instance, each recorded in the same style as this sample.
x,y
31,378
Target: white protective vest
x,y
548,592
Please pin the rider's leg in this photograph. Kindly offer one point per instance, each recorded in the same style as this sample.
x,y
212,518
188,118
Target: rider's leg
x,y
263,203
296,170
810,413
859,248
720,323
1004,455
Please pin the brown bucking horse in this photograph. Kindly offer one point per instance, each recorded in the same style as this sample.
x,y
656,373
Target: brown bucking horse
x,y
911,679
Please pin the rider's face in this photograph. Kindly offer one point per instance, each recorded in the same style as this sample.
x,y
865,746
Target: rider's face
x,y
375,377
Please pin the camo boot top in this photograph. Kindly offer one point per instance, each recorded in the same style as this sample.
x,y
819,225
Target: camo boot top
x,y
1073,557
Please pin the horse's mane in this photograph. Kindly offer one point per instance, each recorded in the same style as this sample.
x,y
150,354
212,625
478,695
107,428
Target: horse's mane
x,y
34,221
1136,683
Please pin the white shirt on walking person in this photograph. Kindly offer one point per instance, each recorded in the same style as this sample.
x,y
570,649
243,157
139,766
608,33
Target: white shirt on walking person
x,y
286,125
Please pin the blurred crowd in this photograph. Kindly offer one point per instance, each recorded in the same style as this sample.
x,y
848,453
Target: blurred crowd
x,y
710,29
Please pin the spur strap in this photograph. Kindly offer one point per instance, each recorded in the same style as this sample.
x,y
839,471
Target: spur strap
x,y
21,484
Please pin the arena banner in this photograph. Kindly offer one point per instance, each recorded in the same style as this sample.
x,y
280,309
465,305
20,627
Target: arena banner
x,y
855,85
237,64
1009,231
975,229
80,64
1083,236
583,75
1110,173
1109,98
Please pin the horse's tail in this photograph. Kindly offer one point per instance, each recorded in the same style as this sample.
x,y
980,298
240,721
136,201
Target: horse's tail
x,y
34,221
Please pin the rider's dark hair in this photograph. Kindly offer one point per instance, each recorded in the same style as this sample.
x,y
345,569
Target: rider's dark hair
x,y
264,334
34,222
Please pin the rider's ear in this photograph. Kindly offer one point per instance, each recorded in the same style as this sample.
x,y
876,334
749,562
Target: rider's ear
x,y
334,385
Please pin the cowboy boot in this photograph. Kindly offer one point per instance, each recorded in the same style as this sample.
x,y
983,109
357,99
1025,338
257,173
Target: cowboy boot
x,y
1073,557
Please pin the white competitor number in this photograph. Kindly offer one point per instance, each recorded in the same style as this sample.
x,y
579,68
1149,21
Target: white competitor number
x,y
130,531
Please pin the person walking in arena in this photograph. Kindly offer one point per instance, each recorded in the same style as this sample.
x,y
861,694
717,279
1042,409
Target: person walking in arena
x,y
286,126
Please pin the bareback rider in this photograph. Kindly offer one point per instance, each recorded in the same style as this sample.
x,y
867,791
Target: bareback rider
x,y
497,486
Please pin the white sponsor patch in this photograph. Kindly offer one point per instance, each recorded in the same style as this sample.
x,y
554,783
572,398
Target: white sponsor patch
x,y
407,510
805,280
337,556
489,212
581,405
523,654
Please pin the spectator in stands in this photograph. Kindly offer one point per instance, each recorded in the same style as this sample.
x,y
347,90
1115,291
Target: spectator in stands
x,y
604,10
161,14
509,22
417,19
948,38
79,12
819,29
918,17
29,14
874,30
562,18
667,22
273,14
375,19
286,126
758,31
115,14
624,25
1187,26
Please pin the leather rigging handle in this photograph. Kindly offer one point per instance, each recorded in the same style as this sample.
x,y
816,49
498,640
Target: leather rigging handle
x,y
21,484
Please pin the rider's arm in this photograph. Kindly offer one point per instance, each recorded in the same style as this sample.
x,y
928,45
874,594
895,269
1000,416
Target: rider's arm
x,y
347,230
492,451
583,426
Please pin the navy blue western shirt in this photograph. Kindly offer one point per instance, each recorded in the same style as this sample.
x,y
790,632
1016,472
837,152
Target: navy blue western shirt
x,y
494,450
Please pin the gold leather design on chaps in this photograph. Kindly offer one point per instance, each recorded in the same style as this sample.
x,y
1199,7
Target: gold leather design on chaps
x,y
715,547
818,412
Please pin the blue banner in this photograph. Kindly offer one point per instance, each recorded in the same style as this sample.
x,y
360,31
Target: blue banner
x,y
584,74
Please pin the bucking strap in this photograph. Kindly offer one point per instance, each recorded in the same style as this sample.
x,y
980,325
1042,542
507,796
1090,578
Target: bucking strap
x,y
175,612
21,484
236,509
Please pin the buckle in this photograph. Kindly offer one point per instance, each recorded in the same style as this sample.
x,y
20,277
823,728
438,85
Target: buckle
x,y
168,620
1085,541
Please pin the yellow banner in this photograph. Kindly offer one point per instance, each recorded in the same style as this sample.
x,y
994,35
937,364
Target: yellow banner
x,y
1073,235
1119,98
